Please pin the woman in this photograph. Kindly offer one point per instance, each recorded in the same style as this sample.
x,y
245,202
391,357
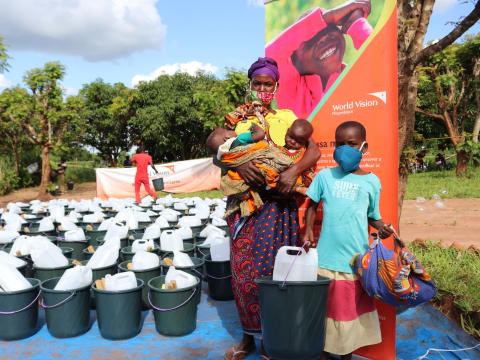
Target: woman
x,y
259,236
310,52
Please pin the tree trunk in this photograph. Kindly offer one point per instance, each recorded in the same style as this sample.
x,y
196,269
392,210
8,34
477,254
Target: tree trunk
x,y
462,162
45,170
407,98
16,156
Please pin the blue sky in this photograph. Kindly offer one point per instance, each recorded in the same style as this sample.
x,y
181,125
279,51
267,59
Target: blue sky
x,y
131,40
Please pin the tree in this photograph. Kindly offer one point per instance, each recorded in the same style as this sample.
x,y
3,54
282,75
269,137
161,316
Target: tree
x,y
445,84
3,56
236,86
175,114
413,19
51,118
14,110
108,110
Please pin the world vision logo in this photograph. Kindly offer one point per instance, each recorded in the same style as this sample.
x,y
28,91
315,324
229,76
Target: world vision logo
x,y
374,99
166,170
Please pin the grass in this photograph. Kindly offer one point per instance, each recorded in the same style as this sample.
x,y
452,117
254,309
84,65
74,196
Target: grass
x,y
202,194
457,275
444,183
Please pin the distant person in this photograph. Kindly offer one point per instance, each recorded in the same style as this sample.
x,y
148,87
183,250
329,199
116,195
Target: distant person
x,y
127,162
141,159
61,169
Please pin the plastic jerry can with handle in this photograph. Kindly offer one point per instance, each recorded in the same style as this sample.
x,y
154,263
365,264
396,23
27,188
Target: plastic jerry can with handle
x,y
74,278
170,241
296,263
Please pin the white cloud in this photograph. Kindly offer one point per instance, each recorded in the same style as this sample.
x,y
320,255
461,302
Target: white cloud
x,y
95,30
444,5
4,82
191,68
255,2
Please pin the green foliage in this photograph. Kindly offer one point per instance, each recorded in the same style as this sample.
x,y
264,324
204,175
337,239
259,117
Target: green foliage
x,y
211,194
280,15
3,56
472,150
8,178
457,274
175,114
436,182
108,109
79,173
236,86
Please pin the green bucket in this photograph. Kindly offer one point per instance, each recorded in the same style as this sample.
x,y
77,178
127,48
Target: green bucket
x,y
28,270
187,248
67,312
23,268
190,240
145,275
98,274
67,251
175,311
219,278
19,312
95,236
127,254
123,242
43,274
158,184
202,250
196,230
119,312
195,270
84,225
87,255
293,317
77,247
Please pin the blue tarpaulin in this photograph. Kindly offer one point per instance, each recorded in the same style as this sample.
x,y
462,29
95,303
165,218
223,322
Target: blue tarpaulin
x,y
218,329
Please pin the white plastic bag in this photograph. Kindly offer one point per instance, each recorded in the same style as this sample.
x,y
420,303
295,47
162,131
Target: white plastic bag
x,y
181,259
74,278
105,224
162,222
216,221
117,230
220,249
180,206
141,216
297,263
10,259
46,224
7,236
122,281
184,233
11,279
67,224
188,221
48,259
75,235
145,260
152,232
209,229
170,241
182,278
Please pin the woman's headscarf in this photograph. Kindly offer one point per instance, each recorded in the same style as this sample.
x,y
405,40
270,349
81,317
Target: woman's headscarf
x,y
264,66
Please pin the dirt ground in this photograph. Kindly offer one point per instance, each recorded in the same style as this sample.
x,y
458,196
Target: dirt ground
x,y
458,220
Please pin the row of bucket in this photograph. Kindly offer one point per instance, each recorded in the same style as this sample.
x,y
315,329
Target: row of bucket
x,y
118,313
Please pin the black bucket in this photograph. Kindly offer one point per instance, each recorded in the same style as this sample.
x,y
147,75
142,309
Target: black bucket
x,y
219,278
67,251
158,184
19,312
67,312
195,270
95,235
175,311
145,275
293,317
119,313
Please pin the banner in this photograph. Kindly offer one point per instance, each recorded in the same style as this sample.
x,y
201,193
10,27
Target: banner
x,y
182,176
338,62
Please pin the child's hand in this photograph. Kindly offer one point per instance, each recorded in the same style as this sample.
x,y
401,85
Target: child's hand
x,y
308,239
385,231
334,16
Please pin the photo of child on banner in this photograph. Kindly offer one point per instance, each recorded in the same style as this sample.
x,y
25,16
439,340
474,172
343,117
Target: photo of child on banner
x,y
311,51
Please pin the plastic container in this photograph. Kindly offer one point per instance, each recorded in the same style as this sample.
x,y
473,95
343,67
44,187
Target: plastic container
x,y
51,257
145,260
121,281
74,278
146,275
170,240
142,245
175,311
42,273
219,278
182,278
11,279
296,263
158,184
67,312
19,312
127,254
119,312
293,317
187,248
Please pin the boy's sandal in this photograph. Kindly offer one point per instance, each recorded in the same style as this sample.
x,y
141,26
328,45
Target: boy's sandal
x,y
234,354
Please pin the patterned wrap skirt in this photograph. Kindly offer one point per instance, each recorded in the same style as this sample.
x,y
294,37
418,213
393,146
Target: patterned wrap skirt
x,y
253,253
352,318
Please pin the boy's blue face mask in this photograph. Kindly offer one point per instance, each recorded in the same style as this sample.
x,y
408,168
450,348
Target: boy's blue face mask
x,y
348,157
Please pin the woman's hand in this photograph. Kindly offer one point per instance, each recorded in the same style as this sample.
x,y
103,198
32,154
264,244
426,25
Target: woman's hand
x,y
251,174
334,16
287,181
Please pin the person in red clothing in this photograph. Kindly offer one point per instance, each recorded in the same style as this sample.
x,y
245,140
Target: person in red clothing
x,y
141,159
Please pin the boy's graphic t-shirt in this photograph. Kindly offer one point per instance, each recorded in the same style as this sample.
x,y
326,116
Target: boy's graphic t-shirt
x,y
348,201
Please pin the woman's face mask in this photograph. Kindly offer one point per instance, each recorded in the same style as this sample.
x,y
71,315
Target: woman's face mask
x,y
348,157
265,97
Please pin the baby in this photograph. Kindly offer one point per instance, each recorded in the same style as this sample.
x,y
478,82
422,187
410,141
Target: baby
x,y
234,150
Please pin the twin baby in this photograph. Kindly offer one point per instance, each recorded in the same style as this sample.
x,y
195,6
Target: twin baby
x,y
234,149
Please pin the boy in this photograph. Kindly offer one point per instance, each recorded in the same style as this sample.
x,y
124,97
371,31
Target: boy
x,y
350,198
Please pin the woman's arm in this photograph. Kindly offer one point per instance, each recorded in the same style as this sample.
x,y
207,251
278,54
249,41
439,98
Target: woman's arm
x,y
288,178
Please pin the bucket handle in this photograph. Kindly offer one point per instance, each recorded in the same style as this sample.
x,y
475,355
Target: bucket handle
x,y
302,251
198,273
25,308
42,304
175,307
219,278
201,252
